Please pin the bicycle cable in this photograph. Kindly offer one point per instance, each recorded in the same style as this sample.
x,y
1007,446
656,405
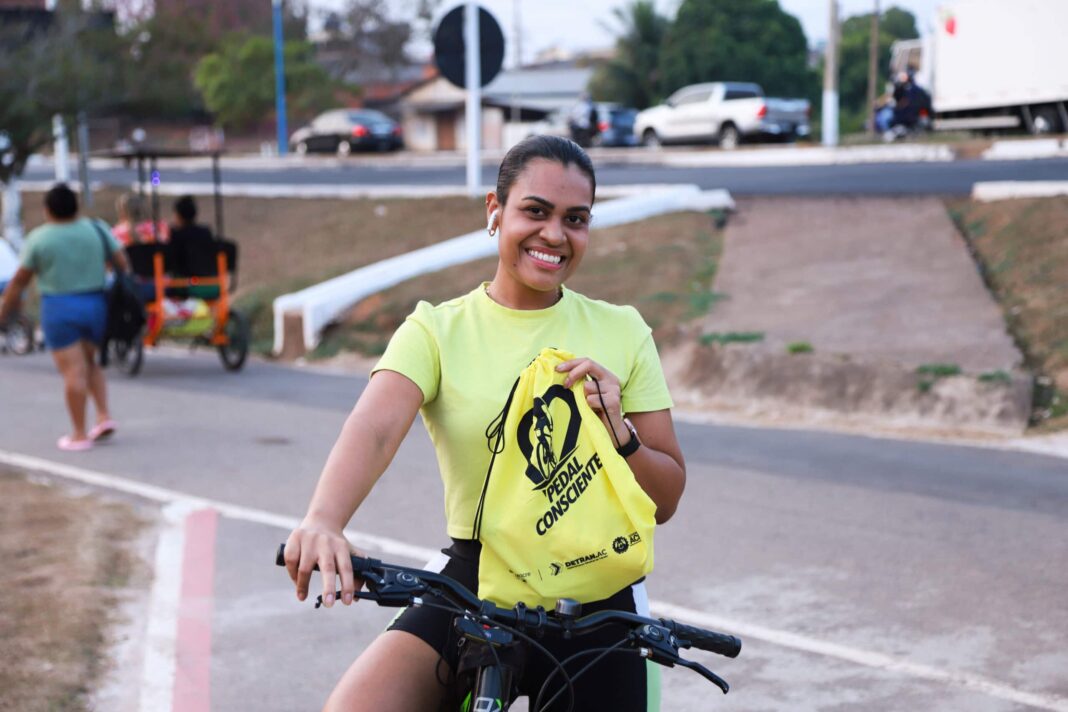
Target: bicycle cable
x,y
459,610
569,685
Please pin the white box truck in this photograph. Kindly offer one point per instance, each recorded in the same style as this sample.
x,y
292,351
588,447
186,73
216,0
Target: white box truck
x,y
993,64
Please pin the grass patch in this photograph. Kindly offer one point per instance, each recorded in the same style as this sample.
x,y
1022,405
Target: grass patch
x,y
929,374
799,347
1021,250
999,377
731,337
938,370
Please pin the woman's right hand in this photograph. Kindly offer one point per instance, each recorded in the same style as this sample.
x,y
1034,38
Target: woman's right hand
x,y
312,544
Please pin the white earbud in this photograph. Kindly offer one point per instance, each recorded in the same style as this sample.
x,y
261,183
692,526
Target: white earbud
x,y
491,225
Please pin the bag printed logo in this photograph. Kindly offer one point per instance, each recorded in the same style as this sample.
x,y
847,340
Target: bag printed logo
x,y
558,501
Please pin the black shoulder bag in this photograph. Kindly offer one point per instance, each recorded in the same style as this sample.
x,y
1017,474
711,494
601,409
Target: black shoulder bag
x,y
126,309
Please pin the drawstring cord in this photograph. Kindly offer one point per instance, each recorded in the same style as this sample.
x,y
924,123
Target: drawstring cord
x,y
604,409
495,442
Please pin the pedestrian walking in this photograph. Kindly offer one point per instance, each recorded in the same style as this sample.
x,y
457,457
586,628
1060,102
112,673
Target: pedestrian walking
x,y
68,255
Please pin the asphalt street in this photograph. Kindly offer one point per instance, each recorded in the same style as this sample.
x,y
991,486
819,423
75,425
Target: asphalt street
x,y
940,178
862,573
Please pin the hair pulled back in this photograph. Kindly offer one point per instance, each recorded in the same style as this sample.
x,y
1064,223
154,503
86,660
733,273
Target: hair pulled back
x,y
551,148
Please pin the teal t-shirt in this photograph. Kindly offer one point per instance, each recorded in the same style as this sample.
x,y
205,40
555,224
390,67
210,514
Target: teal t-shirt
x,y
67,257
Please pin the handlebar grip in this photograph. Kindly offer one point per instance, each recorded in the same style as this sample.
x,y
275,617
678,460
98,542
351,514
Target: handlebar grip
x,y
718,643
359,563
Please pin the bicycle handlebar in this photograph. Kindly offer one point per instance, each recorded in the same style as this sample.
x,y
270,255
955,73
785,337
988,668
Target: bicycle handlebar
x,y
396,586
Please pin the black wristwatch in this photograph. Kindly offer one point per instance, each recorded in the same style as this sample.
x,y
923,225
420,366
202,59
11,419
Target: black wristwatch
x,y
633,444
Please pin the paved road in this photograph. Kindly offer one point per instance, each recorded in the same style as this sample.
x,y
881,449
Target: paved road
x,y
948,178
862,573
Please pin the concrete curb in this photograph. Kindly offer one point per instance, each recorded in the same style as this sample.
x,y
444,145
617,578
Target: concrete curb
x,y
320,304
1008,190
1023,149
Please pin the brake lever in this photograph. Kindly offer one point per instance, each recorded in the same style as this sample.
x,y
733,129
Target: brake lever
x,y
393,589
705,673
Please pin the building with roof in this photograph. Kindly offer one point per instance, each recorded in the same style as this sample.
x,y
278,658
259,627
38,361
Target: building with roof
x,y
433,111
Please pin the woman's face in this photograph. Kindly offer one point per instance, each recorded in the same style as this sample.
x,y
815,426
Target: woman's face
x,y
543,231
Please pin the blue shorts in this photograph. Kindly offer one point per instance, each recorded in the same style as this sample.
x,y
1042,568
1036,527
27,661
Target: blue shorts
x,y
69,318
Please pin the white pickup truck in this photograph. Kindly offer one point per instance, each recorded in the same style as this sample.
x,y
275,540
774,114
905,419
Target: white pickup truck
x,y
724,112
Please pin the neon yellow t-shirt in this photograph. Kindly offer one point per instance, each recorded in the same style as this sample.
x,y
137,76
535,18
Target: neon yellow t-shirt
x,y
465,355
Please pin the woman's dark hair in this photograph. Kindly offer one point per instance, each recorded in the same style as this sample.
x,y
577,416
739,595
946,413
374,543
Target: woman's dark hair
x,y
186,208
61,202
551,148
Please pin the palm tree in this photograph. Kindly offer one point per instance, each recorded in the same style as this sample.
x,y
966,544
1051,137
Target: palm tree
x,y
631,78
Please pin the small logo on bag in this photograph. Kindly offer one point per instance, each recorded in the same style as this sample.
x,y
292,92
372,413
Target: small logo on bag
x,y
620,545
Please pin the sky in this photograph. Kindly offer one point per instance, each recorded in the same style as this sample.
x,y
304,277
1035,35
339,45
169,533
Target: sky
x,y
587,24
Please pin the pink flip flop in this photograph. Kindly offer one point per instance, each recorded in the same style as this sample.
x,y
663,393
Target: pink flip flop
x,y
102,431
66,443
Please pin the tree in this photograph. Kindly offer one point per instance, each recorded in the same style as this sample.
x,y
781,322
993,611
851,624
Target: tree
x,y
163,49
237,82
632,76
894,24
737,40
62,64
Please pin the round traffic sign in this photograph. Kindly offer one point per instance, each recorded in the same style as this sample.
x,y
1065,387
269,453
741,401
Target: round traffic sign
x,y
449,47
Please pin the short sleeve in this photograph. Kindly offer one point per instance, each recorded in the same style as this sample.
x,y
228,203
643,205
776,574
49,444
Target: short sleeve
x,y
413,353
28,256
646,389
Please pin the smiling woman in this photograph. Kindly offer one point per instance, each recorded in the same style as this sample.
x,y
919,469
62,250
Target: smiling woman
x,y
455,363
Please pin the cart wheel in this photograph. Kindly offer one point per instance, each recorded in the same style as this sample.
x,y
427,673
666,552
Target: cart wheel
x,y
18,337
128,356
234,352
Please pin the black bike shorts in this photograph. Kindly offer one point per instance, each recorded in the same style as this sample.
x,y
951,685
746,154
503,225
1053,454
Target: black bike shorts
x,y
617,683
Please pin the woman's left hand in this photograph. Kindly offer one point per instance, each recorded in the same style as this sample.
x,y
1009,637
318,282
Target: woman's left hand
x,y
608,403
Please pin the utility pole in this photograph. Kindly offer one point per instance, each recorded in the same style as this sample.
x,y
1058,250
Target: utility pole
x,y
518,57
873,67
830,81
473,109
279,79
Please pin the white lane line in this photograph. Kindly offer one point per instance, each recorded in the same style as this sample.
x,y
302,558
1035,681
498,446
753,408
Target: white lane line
x,y
157,673
384,545
889,663
392,547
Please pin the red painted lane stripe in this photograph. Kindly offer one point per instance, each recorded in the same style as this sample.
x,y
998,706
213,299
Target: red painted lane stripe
x,y
192,675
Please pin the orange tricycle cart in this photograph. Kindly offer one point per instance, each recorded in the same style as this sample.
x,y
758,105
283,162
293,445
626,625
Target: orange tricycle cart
x,y
192,304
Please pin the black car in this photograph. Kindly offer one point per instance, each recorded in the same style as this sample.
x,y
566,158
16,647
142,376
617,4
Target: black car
x,y
343,131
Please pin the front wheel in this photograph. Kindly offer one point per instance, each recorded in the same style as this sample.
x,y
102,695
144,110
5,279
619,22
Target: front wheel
x,y
650,139
302,148
729,137
128,356
344,148
1045,121
18,337
238,334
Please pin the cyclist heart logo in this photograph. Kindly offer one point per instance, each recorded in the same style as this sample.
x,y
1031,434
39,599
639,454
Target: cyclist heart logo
x,y
548,434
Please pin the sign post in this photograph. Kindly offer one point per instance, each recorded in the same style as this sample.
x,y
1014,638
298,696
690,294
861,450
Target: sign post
x,y
473,111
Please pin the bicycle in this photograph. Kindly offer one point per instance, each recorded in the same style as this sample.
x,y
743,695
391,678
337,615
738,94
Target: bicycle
x,y
494,635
